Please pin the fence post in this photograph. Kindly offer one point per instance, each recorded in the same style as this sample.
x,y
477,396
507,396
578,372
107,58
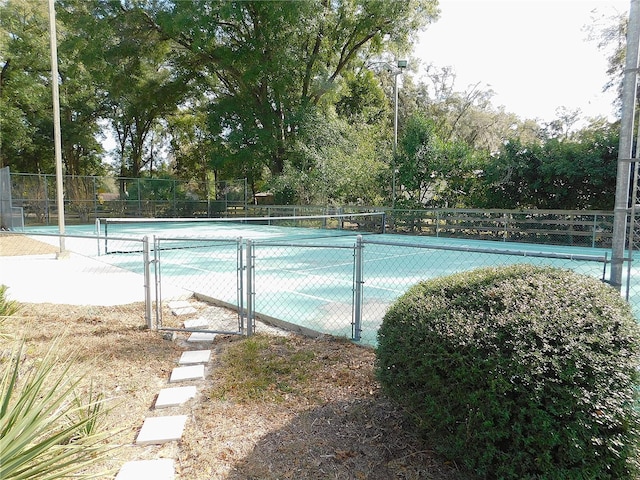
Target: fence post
x,y
147,281
158,278
240,284
97,222
250,264
95,197
356,323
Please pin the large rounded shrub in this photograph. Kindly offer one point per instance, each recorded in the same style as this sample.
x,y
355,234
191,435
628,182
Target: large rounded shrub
x,y
518,372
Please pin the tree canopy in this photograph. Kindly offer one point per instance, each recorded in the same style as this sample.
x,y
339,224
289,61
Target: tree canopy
x,y
289,95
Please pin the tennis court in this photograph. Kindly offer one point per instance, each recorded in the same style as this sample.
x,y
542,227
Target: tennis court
x,y
317,277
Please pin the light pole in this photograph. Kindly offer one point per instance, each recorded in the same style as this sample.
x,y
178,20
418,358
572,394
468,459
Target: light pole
x,y
56,125
400,66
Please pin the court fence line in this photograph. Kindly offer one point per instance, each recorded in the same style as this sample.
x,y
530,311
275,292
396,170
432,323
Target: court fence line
x,y
282,282
339,286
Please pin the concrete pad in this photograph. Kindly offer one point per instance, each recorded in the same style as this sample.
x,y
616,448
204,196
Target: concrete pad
x,y
158,430
160,469
193,357
196,337
196,323
192,372
78,280
173,397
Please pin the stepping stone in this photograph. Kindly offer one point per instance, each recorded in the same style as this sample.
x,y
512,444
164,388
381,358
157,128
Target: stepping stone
x,y
176,304
201,337
173,397
192,372
183,311
181,307
161,469
158,430
193,357
196,323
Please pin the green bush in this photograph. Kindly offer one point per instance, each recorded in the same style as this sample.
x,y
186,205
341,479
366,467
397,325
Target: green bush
x,y
518,372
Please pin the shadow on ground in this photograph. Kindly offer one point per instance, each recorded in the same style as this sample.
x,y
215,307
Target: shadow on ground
x,y
359,439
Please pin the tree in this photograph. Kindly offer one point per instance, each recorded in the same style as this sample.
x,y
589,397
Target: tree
x,y
610,33
277,61
558,173
27,130
433,171
581,173
26,122
469,115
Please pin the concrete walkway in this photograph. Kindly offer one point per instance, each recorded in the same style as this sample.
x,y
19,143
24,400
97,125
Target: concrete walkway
x,y
75,280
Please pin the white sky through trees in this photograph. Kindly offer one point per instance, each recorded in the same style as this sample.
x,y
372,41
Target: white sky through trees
x,y
534,54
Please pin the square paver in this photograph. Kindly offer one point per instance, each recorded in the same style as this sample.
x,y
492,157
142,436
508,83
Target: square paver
x,y
160,469
191,372
193,357
183,311
158,430
197,337
196,323
174,304
173,397
181,307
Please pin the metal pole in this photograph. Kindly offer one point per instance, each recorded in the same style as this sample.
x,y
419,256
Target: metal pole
x,y
158,278
395,138
250,264
56,124
356,324
240,284
97,222
629,89
147,281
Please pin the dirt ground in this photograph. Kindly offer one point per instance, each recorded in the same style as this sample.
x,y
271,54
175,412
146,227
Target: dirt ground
x,y
11,245
333,423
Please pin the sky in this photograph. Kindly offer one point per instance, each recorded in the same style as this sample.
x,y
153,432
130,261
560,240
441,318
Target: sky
x,y
534,54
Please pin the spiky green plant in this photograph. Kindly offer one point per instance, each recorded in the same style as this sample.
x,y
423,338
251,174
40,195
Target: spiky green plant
x,y
7,308
45,433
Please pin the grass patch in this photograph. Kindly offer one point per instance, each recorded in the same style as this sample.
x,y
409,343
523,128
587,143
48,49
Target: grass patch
x,y
265,368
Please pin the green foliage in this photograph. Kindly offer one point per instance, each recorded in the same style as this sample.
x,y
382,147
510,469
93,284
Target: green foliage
x,y
26,122
260,367
434,171
578,172
7,307
362,98
519,372
46,432
333,162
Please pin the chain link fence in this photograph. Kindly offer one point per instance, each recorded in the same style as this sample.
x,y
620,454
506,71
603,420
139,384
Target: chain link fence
x,y
91,197
340,286
344,286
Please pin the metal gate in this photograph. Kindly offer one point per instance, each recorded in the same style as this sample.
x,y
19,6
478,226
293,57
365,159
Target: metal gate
x,y
195,265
